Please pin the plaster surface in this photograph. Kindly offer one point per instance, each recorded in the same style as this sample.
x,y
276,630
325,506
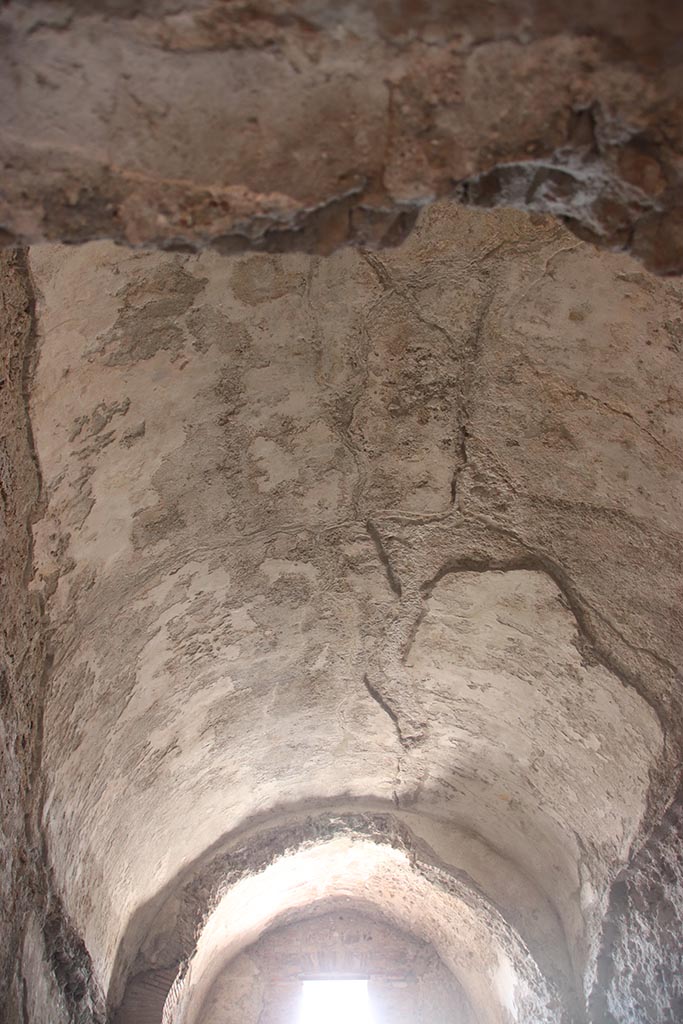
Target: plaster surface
x,y
393,533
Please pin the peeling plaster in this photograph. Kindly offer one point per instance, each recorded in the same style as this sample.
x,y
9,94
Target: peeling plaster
x,y
396,534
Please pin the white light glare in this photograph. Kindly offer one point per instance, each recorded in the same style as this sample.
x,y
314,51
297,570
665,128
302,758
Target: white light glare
x,y
335,1002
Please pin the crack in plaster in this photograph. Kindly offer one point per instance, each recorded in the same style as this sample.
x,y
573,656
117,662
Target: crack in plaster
x,y
392,576
386,708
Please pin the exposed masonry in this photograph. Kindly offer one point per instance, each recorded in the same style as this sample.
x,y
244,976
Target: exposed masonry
x,y
21,650
470,352
342,584
645,903
364,113
28,891
598,641
406,977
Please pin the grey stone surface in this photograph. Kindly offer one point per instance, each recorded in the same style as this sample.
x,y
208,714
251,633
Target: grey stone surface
x,y
22,655
45,970
407,983
640,970
341,584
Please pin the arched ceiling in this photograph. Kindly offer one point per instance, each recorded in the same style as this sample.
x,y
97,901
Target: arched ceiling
x,y
495,970
405,979
367,535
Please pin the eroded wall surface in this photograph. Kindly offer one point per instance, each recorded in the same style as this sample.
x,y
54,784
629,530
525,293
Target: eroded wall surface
x,y
640,967
286,124
45,970
395,531
21,649
355,576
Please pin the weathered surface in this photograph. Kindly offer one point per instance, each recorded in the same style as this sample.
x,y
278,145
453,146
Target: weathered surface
x,y
283,124
45,971
640,975
355,582
21,648
391,532
379,874
393,864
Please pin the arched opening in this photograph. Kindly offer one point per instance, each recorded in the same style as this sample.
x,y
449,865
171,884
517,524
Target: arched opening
x,y
337,1000
340,964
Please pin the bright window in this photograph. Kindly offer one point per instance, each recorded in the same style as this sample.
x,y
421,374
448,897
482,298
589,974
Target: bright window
x,y
335,1002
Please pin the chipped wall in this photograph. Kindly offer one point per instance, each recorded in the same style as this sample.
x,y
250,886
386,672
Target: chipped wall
x,y
45,970
639,971
283,124
22,652
349,579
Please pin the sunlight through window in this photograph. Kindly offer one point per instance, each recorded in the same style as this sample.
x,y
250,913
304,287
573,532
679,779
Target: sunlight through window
x,y
335,1002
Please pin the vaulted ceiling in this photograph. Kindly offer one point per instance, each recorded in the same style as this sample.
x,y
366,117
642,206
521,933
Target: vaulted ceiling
x,y
377,542
340,482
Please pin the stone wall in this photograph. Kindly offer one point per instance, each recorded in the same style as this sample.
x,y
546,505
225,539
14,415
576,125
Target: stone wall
x,y
397,528
407,983
304,124
21,645
640,975
355,534
45,970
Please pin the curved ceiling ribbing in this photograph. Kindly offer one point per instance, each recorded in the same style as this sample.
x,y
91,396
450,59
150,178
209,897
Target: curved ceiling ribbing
x,y
355,531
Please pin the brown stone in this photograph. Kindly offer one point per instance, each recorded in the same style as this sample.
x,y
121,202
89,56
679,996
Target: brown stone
x,y
282,125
